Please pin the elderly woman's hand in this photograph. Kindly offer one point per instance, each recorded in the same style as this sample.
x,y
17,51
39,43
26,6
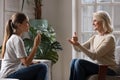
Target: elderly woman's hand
x,y
74,40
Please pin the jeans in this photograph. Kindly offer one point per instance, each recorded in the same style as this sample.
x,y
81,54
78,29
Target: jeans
x,y
33,72
81,69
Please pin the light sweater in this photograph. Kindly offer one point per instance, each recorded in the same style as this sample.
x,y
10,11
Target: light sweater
x,y
101,49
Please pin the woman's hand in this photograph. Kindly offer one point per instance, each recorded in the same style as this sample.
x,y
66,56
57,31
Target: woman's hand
x,y
28,60
37,40
74,40
35,62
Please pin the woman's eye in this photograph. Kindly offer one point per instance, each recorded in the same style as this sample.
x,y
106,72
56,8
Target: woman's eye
x,y
27,22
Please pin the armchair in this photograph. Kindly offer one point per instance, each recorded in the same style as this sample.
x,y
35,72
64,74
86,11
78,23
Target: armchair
x,y
103,69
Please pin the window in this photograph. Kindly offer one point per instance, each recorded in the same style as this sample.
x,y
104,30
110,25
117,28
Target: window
x,y
85,9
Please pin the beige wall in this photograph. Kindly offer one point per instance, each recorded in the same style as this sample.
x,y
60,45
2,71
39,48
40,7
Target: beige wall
x,y
59,14
1,21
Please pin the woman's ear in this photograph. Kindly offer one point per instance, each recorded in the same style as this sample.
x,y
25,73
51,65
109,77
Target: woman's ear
x,y
18,24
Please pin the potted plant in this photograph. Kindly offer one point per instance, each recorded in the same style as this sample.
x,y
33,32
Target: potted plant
x,y
49,45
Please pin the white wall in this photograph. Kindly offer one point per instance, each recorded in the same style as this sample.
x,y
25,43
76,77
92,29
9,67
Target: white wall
x,y
59,14
65,30
1,21
50,12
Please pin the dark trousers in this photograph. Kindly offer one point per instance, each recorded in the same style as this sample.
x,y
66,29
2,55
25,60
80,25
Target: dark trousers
x,y
33,72
81,69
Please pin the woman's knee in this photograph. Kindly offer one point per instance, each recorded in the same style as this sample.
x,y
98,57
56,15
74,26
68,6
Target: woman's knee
x,y
43,66
80,62
39,67
73,62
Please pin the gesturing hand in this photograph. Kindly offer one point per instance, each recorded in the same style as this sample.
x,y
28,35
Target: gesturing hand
x,y
74,40
37,40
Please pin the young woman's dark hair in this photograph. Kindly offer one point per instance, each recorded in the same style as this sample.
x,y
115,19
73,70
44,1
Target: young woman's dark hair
x,y
11,26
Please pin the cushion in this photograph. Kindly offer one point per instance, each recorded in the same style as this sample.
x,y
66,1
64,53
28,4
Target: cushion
x,y
117,54
95,77
117,58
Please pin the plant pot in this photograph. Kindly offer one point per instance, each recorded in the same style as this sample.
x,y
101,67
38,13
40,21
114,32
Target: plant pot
x,y
49,69
39,23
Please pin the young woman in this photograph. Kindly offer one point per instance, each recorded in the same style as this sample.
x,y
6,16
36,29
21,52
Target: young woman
x,y
15,62
100,47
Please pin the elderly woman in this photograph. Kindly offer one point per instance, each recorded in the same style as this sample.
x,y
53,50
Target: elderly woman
x,y
100,47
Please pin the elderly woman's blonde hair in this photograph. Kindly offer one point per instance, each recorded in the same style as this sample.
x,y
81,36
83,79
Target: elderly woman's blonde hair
x,y
105,18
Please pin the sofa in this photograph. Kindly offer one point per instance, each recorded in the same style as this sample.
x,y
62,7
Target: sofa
x,y
107,77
